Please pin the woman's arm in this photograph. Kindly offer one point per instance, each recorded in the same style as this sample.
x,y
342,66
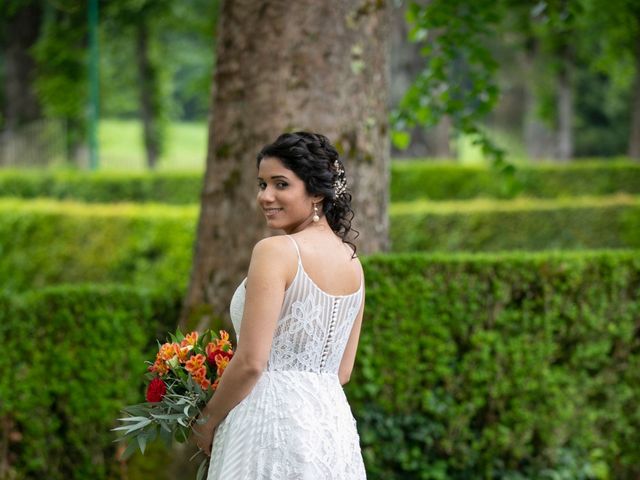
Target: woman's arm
x,y
349,355
265,284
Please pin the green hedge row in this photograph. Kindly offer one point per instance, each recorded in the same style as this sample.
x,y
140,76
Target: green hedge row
x,y
419,179
44,242
511,366
410,180
524,224
103,187
72,357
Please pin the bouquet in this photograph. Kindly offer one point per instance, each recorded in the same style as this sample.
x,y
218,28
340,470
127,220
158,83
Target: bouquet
x,y
182,380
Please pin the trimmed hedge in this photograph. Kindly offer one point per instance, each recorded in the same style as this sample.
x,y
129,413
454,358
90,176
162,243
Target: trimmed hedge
x,y
103,187
510,366
507,366
410,180
46,242
72,358
523,224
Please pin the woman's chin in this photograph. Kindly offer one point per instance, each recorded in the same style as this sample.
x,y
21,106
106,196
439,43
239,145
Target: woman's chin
x,y
273,223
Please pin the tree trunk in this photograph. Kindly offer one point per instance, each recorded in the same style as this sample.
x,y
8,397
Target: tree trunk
x,y
284,66
538,137
634,134
149,101
22,31
565,114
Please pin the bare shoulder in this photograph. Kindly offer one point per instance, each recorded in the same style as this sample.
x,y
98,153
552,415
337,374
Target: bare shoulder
x,y
275,243
272,250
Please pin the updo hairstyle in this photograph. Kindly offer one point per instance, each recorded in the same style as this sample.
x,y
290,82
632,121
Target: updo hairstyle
x,y
314,160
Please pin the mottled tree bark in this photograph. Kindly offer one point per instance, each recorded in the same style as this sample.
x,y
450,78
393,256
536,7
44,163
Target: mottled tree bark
x,y
538,137
564,151
22,30
634,134
285,66
149,101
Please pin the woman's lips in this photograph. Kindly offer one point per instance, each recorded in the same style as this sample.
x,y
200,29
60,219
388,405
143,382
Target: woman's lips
x,y
270,212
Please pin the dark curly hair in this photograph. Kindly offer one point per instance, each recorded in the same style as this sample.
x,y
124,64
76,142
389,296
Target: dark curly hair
x,y
312,158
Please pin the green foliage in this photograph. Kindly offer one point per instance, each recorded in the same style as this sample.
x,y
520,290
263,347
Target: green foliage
x,y
459,79
44,242
410,180
181,45
524,224
440,181
61,81
519,366
73,357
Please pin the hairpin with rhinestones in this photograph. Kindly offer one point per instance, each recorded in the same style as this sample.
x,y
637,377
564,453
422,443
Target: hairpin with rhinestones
x,y
340,183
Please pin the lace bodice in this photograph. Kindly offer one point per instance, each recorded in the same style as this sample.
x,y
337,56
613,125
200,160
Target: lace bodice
x,y
313,327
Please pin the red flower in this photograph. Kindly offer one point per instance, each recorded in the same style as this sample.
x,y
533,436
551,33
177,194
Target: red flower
x,y
156,390
214,351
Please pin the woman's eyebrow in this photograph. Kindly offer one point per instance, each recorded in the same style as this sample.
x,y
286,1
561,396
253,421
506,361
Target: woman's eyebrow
x,y
275,176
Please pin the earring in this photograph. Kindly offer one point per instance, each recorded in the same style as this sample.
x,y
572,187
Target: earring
x,y
316,218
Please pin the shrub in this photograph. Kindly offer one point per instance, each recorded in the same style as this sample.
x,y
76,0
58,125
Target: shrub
x,y
44,242
72,357
500,366
469,366
522,224
410,180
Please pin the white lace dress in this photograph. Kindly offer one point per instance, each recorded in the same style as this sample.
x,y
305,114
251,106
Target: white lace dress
x,y
296,422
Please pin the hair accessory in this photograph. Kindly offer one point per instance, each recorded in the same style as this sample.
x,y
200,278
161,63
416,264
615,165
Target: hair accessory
x,y
340,183
316,218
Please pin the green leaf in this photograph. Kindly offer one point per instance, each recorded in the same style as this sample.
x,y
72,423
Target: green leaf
x,y
202,469
142,441
132,447
400,139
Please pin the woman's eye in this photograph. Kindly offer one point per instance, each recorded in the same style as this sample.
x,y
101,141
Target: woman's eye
x,y
282,185
261,185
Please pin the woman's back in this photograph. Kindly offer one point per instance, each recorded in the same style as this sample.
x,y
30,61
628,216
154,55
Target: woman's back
x,y
296,423
314,325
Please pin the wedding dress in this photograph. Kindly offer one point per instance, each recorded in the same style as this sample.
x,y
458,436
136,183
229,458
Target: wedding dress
x,y
296,423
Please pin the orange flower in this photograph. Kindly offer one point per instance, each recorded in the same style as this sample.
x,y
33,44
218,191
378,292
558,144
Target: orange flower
x,y
199,374
194,363
189,339
224,340
214,385
167,351
159,366
214,351
221,361
182,351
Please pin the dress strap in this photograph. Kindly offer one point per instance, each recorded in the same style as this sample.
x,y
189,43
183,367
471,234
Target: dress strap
x,y
295,244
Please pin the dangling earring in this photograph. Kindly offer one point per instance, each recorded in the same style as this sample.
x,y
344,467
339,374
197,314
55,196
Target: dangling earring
x,y
316,218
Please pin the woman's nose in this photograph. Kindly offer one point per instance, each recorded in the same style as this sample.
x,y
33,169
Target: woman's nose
x,y
267,194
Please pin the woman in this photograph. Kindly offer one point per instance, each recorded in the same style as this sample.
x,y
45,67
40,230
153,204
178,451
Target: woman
x,y
279,410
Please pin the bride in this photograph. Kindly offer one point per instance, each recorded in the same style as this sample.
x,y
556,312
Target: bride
x,y
279,410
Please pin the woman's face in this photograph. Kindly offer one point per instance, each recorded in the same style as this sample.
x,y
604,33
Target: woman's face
x,y
283,198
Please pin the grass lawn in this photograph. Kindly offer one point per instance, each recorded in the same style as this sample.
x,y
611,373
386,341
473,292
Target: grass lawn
x,y
122,148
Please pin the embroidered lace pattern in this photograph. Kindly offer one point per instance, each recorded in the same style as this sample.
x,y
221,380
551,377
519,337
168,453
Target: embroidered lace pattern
x,y
296,423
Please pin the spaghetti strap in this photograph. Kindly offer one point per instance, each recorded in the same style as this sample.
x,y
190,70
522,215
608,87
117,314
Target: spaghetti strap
x,y
295,244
